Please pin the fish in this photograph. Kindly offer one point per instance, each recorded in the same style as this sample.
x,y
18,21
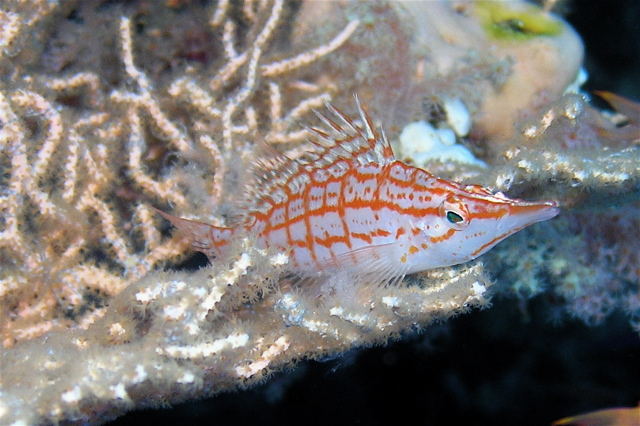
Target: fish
x,y
348,204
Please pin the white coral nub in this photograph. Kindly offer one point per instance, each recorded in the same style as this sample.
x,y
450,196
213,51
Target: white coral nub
x,y
421,142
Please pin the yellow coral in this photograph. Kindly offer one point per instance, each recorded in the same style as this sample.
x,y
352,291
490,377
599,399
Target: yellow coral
x,y
504,21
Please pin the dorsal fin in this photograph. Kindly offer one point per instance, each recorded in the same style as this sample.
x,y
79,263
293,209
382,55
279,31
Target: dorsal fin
x,y
277,176
346,139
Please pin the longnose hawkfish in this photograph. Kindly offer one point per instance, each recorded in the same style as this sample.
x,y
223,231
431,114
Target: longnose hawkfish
x,y
347,204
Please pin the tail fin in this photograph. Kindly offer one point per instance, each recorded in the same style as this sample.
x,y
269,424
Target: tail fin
x,y
208,239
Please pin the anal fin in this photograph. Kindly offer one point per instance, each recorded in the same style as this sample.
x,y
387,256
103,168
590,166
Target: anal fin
x,y
375,264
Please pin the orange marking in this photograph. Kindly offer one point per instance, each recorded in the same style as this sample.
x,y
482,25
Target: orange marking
x,y
528,209
403,259
400,231
330,240
413,250
424,246
299,243
307,226
380,204
286,220
490,243
294,257
416,231
432,181
496,240
343,218
324,196
380,179
362,177
364,237
380,233
444,236
489,215
376,204
356,204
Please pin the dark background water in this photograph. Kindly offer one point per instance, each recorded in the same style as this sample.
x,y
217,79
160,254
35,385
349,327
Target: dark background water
x,y
506,365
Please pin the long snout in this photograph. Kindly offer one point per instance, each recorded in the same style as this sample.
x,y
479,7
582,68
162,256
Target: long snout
x,y
522,214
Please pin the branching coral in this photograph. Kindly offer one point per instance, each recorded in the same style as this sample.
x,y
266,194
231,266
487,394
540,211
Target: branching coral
x,y
78,234
171,334
77,226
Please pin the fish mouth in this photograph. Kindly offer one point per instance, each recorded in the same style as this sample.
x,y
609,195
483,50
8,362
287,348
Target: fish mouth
x,y
522,213
537,210
545,210
531,212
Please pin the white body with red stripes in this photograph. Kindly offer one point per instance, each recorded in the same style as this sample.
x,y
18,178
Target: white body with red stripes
x,y
348,204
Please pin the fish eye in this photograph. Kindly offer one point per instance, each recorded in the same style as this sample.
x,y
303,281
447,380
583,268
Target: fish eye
x,y
455,212
454,217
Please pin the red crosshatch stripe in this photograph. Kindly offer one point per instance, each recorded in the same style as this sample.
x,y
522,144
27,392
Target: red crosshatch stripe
x,y
307,226
352,180
343,216
381,233
402,189
374,205
364,237
286,220
328,242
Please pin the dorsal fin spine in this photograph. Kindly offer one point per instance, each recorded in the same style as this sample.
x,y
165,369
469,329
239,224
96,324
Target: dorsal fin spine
x,y
344,117
330,123
366,120
339,144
